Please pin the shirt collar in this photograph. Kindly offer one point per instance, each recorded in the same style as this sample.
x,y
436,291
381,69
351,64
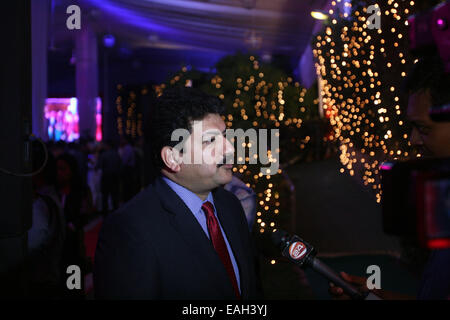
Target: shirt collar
x,y
192,201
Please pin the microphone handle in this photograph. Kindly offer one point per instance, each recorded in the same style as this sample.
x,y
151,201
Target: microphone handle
x,y
331,275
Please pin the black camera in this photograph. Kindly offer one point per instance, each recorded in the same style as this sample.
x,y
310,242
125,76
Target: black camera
x,y
416,201
416,193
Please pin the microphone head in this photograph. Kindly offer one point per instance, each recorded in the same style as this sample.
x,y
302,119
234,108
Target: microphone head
x,y
280,238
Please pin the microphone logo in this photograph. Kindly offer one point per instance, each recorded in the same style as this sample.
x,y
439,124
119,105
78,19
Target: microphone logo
x,y
297,250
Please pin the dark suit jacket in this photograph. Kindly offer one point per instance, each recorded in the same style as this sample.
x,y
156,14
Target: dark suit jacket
x,y
154,248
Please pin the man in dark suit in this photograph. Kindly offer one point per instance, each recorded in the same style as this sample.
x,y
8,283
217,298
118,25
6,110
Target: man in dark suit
x,y
184,236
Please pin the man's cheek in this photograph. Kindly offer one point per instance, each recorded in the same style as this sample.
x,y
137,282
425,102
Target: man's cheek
x,y
209,155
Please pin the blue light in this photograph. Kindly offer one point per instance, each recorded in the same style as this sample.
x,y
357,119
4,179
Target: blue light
x,y
109,40
129,16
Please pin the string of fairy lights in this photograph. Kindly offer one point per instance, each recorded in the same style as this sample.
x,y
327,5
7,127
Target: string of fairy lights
x,y
129,119
361,70
268,111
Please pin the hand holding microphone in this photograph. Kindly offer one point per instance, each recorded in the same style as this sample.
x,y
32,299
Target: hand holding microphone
x,y
338,293
303,255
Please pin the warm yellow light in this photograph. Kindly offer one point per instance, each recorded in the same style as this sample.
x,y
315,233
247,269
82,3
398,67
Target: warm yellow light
x,y
319,15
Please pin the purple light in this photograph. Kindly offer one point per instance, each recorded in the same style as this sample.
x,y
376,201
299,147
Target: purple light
x,y
386,166
109,40
128,16
62,116
441,23
98,120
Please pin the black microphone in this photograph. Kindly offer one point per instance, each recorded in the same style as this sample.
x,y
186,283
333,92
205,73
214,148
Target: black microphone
x,y
303,255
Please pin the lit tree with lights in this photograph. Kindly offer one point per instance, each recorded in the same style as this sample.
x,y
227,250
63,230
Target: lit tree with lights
x,y
362,70
260,96
129,111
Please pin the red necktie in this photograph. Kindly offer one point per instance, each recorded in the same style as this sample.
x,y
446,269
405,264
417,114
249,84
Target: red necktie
x,y
219,243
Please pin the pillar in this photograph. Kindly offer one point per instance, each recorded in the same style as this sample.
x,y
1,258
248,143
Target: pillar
x,y
86,78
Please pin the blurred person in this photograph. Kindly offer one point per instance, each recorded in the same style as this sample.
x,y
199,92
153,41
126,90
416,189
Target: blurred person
x,y
75,149
75,195
45,181
427,85
47,232
139,153
109,163
93,151
58,148
184,236
246,196
77,204
128,156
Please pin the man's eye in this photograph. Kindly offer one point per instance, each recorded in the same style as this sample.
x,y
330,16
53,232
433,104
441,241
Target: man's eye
x,y
209,140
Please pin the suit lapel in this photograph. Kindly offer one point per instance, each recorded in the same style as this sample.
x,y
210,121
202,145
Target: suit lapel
x,y
190,230
230,228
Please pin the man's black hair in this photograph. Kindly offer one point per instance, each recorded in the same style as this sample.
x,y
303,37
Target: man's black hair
x,y
429,73
175,109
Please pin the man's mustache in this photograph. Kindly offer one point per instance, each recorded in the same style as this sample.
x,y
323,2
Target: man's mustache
x,y
226,160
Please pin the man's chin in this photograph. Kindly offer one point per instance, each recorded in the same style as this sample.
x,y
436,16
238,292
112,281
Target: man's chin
x,y
225,174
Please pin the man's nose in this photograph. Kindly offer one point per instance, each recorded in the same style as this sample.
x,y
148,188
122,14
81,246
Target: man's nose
x,y
228,148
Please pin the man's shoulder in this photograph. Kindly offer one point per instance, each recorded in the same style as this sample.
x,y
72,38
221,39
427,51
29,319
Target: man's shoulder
x,y
224,194
225,198
136,217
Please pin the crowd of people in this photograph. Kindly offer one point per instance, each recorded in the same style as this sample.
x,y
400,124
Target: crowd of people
x,y
75,184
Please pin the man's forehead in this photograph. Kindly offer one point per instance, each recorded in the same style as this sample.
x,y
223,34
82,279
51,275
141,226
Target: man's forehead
x,y
212,123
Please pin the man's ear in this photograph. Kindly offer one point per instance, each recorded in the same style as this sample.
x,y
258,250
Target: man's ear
x,y
171,158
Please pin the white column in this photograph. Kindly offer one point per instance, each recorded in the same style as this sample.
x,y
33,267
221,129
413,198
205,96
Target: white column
x,y
86,79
